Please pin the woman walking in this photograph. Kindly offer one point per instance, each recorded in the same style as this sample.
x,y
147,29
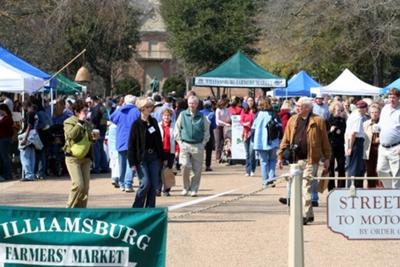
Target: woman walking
x,y
336,125
246,120
371,144
166,127
145,153
223,120
266,145
78,151
6,133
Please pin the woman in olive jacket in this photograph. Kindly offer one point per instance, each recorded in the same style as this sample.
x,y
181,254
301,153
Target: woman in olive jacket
x,y
75,127
145,154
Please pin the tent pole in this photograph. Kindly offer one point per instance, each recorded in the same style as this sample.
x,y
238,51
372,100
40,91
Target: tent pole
x,y
212,91
51,101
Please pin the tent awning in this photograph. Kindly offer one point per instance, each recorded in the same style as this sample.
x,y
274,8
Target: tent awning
x,y
395,84
19,64
298,85
13,80
66,86
347,84
239,71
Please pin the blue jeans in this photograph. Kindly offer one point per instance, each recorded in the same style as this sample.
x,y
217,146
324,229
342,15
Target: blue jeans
x,y
5,144
149,176
41,162
125,172
100,158
250,156
27,156
267,164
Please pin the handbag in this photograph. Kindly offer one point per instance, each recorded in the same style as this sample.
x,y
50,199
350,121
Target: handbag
x,y
33,139
289,153
80,149
168,177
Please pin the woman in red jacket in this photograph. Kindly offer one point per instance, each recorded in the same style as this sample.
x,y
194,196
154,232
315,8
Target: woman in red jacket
x,y
247,117
6,133
284,113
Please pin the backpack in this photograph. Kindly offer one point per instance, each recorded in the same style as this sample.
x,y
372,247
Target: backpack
x,y
274,127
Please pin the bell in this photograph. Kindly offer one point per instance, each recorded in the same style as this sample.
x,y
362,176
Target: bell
x,y
82,75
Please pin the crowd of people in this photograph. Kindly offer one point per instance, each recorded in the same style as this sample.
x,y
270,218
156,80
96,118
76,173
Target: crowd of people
x,y
131,136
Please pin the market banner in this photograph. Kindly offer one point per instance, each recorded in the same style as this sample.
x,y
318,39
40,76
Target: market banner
x,y
239,82
31,236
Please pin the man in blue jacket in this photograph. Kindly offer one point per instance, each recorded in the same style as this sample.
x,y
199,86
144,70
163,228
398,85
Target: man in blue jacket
x,y
124,117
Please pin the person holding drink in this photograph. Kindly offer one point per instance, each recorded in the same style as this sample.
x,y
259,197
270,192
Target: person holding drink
x,y
79,138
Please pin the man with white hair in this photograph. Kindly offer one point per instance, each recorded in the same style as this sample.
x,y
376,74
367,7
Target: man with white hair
x,y
192,133
389,138
306,135
124,117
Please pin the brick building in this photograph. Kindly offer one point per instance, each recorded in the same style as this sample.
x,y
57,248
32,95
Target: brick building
x,y
153,59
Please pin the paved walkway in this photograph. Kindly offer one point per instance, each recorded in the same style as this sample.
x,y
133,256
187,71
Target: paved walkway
x,y
243,227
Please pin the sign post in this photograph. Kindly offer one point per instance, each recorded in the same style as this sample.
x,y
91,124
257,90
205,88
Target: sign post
x,y
296,244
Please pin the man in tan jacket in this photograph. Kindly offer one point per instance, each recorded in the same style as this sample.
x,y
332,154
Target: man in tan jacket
x,y
307,132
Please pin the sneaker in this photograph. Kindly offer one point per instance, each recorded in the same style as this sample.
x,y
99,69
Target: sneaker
x,y
252,174
129,190
247,174
27,180
184,192
122,188
208,169
166,194
193,194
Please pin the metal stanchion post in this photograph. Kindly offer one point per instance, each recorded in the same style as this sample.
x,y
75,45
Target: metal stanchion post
x,y
296,244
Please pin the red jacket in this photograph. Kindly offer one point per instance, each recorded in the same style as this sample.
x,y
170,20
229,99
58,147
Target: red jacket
x,y
284,115
6,127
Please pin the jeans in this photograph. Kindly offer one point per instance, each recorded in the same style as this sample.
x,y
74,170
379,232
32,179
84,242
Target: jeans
x,y
125,172
5,144
149,176
100,158
27,156
267,164
250,156
41,162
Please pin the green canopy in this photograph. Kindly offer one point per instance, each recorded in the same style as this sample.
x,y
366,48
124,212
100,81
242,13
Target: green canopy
x,y
239,71
65,86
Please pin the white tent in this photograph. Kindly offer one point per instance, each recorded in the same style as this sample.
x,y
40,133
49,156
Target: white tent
x,y
13,80
347,84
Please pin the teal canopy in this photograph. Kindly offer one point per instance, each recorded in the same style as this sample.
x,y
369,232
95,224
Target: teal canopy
x,y
65,86
239,71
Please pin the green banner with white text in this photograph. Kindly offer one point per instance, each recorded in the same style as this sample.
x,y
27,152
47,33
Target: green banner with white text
x,y
82,237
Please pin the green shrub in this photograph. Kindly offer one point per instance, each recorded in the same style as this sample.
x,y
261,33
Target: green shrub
x,y
128,85
175,83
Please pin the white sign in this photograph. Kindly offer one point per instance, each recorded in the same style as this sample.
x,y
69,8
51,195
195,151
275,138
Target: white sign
x,y
237,149
234,82
371,214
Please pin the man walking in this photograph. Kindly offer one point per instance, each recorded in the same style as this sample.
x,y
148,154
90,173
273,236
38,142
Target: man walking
x,y
307,132
389,136
354,143
124,117
192,133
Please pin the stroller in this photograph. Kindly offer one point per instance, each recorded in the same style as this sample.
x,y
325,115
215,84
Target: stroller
x,y
226,155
